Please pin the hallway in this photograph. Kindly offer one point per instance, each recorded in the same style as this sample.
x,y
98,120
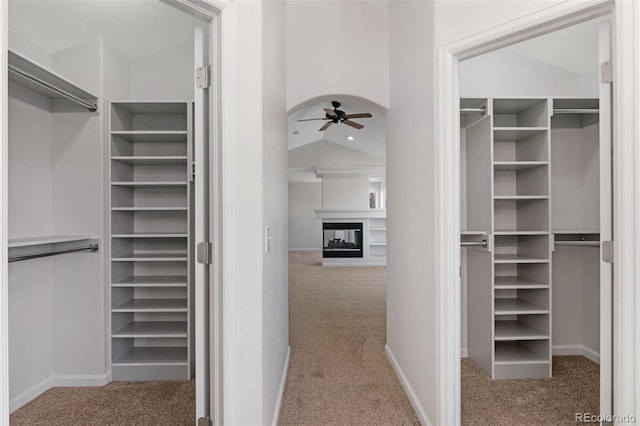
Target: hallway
x,y
339,373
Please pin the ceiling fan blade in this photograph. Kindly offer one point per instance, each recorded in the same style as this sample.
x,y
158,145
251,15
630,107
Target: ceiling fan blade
x,y
313,119
326,126
360,115
330,112
353,124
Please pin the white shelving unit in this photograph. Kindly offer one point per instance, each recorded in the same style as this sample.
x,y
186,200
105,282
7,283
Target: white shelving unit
x,y
507,182
378,240
150,239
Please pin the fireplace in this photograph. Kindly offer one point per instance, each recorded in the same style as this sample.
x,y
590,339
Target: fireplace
x,y
342,239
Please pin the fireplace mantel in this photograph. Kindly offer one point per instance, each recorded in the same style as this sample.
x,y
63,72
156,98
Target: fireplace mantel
x,y
351,214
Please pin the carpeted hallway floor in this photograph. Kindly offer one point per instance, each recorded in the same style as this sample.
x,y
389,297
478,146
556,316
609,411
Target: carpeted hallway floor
x,y
338,372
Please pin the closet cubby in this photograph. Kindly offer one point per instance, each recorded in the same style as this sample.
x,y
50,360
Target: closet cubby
x,y
150,254
521,216
520,113
516,148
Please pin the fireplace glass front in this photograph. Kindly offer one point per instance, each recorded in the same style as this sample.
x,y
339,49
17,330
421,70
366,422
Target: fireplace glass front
x,y
343,239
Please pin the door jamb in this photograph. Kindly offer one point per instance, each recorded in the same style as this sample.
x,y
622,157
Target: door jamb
x,y
626,42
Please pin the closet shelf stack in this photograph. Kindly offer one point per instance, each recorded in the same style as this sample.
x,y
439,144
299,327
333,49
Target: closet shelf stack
x,y
150,230
508,188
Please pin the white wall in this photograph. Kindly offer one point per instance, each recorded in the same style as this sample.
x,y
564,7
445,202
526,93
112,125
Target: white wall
x,y
345,193
304,227
504,73
337,47
262,331
30,202
411,290
79,209
415,29
168,75
275,195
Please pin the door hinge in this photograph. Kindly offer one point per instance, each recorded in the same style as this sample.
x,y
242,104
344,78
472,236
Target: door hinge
x,y
607,251
606,72
203,77
204,252
205,421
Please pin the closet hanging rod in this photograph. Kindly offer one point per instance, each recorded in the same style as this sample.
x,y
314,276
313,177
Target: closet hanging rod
x,y
576,111
91,107
482,243
481,110
92,247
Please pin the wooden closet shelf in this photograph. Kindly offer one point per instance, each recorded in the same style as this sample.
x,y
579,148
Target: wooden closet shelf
x,y
152,305
150,184
152,235
151,160
517,330
153,355
152,136
152,257
148,209
153,329
152,281
507,166
518,258
515,282
513,134
513,306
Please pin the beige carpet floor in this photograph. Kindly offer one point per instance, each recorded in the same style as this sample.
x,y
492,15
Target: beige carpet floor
x,y
338,371
118,403
574,388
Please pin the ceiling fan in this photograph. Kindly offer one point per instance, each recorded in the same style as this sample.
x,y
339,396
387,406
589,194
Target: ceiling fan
x,y
335,116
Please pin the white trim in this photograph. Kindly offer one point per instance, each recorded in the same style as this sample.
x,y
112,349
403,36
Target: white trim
x,y
565,350
413,398
626,209
464,353
62,380
229,212
4,280
283,382
447,171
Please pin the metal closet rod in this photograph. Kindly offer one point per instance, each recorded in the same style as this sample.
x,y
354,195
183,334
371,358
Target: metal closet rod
x,y
576,110
92,247
482,243
91,107
481,110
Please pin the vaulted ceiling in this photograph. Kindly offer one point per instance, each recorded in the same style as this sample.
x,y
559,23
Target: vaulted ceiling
x,y
369,140
155,26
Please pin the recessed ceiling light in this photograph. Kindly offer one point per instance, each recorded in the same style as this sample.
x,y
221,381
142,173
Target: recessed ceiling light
x,y
350,138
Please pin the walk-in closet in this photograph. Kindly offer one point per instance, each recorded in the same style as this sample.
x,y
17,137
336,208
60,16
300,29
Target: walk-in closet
x,y
535,193
101,182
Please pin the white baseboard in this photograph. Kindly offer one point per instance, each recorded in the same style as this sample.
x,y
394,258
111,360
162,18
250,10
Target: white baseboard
x,y
305,249
561,350
283,381
30,394
464,353
417,407
59,380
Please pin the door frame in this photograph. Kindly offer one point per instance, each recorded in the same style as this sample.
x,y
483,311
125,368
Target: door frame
x,y
223,118
626,199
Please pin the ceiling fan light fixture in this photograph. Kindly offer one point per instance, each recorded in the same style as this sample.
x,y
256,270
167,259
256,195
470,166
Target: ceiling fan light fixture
x,y
350,138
